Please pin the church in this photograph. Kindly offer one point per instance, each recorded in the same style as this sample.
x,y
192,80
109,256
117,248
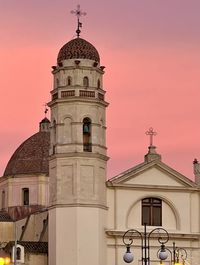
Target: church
x,y
57,206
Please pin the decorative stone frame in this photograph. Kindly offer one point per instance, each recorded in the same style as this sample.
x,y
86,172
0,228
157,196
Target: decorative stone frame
x,y
21,260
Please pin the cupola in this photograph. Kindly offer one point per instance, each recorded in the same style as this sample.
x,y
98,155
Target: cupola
x,y
78,49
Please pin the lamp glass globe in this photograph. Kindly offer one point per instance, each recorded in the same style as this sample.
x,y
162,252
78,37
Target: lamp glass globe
x,y
163,255
128,257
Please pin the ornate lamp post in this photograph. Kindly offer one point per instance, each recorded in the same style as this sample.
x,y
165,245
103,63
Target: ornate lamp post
x,y
178,255
145,244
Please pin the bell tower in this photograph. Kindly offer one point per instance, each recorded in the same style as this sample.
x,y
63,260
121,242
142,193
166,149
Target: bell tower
x,y
78,159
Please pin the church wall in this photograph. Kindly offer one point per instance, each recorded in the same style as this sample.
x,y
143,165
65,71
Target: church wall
x,y
84,235
111,208
154,175
195,256
6,231
77,74
4,187
170,222
77,113
127,204
180,217
116,250
195,212
79,180
36,259
43,190
37,185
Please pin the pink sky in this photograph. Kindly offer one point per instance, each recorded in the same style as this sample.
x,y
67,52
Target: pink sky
x,y
151,50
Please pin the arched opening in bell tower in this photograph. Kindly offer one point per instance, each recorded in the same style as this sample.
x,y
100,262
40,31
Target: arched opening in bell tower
x,y
87,145
69,81
85,81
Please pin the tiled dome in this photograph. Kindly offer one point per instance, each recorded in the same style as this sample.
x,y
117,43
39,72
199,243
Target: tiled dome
x,y
31,156
78,49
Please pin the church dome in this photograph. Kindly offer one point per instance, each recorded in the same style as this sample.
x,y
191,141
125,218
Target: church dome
x,y
78,49
31,157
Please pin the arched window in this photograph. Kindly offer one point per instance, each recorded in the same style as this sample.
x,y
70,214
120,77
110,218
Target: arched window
x,y
25,196
69,81
98,84
85,81
152,211
3,206
87,145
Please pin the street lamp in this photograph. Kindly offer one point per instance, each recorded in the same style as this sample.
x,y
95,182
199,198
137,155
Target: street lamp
x,y
177,255
145,244
4,257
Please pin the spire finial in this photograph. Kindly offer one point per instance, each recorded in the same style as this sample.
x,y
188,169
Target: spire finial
x,y
151,133
78,13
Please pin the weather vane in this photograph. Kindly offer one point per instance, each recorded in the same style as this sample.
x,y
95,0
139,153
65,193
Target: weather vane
x,y
151,133
78,13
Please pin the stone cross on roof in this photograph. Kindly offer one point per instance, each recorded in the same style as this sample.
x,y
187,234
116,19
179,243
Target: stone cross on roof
x,y
151,133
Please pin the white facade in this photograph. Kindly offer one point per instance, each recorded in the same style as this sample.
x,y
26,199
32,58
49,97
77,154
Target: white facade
x,y
180,209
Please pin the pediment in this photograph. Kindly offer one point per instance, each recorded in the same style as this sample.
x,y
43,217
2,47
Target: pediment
x,y
154,176
155,173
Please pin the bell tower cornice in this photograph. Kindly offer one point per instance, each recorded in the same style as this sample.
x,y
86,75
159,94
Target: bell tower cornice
x,y
79,99
73,66
80,154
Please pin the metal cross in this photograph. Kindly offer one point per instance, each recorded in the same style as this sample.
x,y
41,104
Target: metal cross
x,y
151,133
78,13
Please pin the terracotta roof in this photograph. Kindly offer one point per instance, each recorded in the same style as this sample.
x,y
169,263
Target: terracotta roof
x,y
78,49
20,212
30,246
31,156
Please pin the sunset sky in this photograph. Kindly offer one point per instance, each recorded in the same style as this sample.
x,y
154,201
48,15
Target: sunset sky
x,y
151,50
